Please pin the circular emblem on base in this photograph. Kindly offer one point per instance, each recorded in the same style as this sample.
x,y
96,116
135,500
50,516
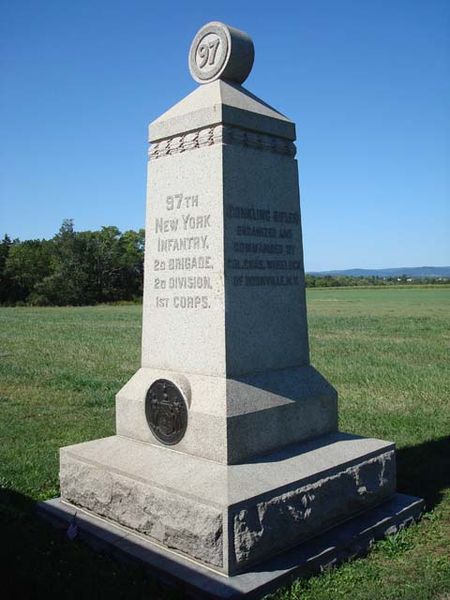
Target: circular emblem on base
x,y
220,52
166,411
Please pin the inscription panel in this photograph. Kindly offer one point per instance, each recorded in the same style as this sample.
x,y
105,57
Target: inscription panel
x,y
265,296
184,280
264,248
182,261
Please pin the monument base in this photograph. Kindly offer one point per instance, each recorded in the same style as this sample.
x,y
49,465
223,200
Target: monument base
x,y
229,517
343,542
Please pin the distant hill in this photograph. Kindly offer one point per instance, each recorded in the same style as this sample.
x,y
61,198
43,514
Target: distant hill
x,y
397,272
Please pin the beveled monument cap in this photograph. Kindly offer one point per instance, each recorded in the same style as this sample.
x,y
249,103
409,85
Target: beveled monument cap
x,y
219,51
221,58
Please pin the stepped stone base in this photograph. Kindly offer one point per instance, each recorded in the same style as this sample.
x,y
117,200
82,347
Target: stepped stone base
x,y
343,542
228,517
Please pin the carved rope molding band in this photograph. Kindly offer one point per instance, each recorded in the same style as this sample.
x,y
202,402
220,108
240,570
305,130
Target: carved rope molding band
x,y
221,134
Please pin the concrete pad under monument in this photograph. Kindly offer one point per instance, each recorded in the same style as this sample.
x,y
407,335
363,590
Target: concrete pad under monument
x,y
227,459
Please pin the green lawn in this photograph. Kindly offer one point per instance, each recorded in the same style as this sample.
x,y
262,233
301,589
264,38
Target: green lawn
x,y
385,350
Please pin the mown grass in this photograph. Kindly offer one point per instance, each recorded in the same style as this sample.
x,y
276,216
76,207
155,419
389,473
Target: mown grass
x,y
385,350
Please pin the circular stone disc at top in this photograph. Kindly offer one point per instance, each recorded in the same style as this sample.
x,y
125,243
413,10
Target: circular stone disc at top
x,y
219,51
166,411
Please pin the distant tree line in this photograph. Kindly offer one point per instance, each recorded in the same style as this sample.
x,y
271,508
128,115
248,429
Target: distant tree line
x,y
316,281
90,267
72,268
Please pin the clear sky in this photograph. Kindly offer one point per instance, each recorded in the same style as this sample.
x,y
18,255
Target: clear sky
x,y
367,82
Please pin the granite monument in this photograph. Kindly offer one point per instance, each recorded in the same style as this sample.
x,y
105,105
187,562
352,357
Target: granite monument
x,y
228,471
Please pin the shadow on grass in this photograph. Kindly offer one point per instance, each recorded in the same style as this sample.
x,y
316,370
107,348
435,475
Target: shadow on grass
x,y
38,561
424,470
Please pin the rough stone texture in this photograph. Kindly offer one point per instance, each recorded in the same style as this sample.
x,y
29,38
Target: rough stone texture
x,y
343,542
228,516
178,523
233,420
280,521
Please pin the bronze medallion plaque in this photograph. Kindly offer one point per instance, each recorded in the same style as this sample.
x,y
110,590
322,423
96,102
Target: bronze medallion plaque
x,y
166,411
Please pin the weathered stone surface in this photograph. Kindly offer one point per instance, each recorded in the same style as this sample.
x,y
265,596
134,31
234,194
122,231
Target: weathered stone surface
x,y
181,524
275,523
228,516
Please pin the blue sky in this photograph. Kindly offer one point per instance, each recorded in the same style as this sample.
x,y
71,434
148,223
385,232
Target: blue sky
x,y
367,82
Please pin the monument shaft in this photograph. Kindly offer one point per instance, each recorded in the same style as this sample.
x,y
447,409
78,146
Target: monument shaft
x,y
224,280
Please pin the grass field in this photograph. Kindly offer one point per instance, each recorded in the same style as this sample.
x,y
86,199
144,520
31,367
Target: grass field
x,y
385,350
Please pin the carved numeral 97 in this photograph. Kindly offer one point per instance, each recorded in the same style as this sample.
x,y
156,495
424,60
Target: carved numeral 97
x,y
207,53
174,201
